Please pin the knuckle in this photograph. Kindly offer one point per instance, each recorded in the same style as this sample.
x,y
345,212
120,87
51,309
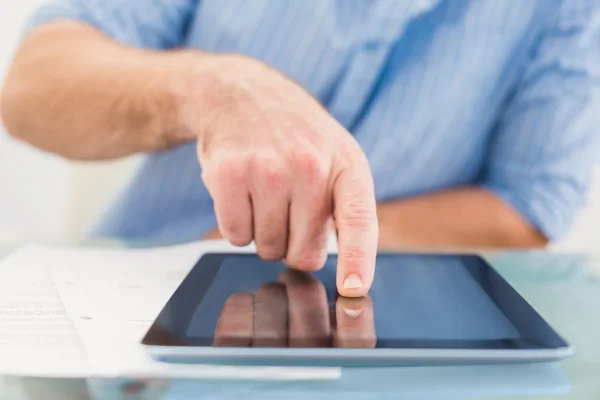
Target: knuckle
x,y
353,257
311,166
270,171
234,230
310,261
231,170
358,214
229,224
271,247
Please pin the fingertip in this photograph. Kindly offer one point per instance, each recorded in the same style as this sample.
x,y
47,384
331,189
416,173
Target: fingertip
x,y
351,286
352,293
354,275
239,241
355,271
353,281
312,261
355,284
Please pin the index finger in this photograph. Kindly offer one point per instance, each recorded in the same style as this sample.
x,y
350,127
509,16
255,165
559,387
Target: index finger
x,y
355,212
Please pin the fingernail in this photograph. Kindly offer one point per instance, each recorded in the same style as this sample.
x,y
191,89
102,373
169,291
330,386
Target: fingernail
x,y
352,313
352,282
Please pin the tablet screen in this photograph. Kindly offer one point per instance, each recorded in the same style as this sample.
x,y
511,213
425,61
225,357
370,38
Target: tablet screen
x,y
416,301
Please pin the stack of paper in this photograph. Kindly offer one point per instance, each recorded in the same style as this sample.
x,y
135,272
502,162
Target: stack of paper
x,y
82,312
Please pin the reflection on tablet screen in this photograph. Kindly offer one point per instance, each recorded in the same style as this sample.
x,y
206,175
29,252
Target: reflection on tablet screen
x,y
416,301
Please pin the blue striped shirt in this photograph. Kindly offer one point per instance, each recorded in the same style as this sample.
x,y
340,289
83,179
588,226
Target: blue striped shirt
x,y
501,94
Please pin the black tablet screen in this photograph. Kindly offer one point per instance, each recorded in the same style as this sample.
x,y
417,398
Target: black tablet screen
x,y
416,301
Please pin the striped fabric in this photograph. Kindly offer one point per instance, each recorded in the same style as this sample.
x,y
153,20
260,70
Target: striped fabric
x,y
439,93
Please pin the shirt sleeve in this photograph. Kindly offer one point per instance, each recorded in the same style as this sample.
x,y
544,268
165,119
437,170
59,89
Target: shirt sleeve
x,y
547,140
155,24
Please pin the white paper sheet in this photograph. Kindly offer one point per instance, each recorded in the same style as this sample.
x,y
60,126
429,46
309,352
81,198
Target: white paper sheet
x,y
36,334
112,297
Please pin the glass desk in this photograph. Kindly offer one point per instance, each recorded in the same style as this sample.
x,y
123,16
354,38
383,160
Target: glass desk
x,y
564,288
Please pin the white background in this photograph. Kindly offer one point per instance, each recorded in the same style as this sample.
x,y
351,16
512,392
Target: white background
x,y
43,197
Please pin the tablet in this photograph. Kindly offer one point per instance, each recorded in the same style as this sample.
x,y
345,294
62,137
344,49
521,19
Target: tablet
x,y
421,309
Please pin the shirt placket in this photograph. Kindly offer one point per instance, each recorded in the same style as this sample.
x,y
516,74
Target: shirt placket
x,y
377,35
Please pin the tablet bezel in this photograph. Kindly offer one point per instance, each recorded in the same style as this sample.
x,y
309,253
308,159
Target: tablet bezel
x,y
167,347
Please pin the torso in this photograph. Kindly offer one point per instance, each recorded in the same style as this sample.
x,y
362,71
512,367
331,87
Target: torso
x,y
420,87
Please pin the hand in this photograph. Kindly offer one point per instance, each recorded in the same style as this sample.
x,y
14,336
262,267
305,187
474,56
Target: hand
x,y
215,234
294,313
278,168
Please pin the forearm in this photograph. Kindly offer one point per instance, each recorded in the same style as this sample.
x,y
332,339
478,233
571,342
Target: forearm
x,y
458,218
74,92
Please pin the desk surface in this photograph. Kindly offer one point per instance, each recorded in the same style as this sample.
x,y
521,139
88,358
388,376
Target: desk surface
x,y
564,288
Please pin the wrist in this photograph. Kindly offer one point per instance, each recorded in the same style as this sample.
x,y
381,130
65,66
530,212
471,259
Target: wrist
x,y
147,98
173,75
207,84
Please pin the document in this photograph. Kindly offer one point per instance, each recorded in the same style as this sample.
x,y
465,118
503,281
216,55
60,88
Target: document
x,y
101,302
37,337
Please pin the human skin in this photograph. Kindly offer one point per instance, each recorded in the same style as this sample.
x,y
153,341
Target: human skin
x,y
277,165
279,168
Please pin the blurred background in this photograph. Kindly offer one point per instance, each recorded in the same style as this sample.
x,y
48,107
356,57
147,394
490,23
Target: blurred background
x,y
44,197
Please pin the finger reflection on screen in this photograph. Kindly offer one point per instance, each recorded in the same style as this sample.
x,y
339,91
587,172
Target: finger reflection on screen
x,y
355,323
234,328
309,324
270,316
294,312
